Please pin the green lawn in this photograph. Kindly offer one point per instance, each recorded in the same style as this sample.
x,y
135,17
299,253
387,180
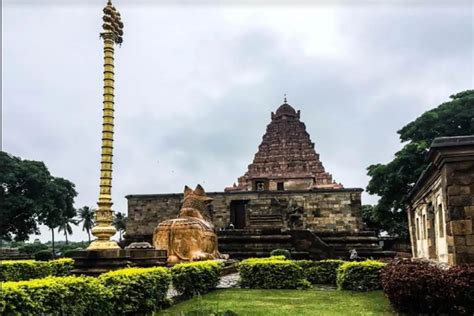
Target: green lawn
x,y
286,302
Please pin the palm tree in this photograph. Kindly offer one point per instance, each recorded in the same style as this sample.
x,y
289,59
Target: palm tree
x,y
65,226
120,223
86,216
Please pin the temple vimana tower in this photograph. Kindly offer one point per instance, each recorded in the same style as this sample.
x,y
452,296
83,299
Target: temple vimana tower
x,y
286,159
286,199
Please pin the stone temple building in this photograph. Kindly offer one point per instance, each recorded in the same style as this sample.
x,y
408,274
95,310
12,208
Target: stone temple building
x,y
286,199
441,209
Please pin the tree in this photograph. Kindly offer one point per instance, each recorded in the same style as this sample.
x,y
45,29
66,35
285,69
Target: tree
x,y
26,193
65,225
23,185
120,223
86,217
393,181
60,199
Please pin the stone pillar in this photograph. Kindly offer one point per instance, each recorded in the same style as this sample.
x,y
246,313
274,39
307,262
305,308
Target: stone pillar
x,y
460,211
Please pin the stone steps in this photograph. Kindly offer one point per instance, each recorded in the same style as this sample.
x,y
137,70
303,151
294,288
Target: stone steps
x,y
365,243
254,238
260,254
351,239
247,243
254,246
264,221
365,233
250,232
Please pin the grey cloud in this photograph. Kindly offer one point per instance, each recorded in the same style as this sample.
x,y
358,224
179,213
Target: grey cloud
x,y
195,89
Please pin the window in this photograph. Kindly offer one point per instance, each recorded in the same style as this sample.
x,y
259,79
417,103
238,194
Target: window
x,y
260,185
280,186
418,229
441,221
423,225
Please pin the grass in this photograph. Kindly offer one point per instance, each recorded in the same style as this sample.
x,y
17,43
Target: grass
x,y
285,302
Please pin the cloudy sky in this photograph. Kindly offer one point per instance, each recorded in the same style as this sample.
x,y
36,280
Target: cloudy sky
x,y
195,84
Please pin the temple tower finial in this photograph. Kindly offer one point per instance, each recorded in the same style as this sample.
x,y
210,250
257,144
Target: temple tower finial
x,y
111,35
284,99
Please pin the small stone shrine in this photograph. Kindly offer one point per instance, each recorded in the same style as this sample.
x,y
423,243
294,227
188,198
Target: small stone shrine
x,y
286,200
441,209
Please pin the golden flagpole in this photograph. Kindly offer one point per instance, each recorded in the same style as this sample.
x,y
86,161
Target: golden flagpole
x,y
103,229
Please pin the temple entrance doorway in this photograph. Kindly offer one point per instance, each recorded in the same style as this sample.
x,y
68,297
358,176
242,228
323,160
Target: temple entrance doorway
x,y
238,213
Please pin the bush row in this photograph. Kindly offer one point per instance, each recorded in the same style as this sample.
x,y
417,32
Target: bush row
x,y
321,272
126,291
279,272
359,276
18,270
421,287
271,273
196,277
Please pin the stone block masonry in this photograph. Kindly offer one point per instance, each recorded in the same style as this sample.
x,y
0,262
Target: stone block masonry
x,y
319,210
442,203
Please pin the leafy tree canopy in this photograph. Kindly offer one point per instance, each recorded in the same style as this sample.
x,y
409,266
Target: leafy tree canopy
x,y
392,181
28,196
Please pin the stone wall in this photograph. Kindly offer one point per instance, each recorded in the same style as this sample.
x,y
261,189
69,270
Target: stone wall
x,y
460,201
442,203
333,210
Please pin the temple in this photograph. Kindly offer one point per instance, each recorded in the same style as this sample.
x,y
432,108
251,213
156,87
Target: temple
x,y
286,159
285,200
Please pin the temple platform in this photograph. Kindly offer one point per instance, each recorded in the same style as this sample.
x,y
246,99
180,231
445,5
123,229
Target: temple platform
x,y
303,244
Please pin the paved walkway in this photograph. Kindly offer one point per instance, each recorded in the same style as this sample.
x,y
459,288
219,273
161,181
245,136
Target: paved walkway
x,y
227,281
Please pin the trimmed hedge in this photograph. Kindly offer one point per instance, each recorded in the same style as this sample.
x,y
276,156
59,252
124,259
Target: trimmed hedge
x,y
137,290
421,287
359,276
43,255
196,277
321,272
271,273
281,252
55,296
126,291
19,270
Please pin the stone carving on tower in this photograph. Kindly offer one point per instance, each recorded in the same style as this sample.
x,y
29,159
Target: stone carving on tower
x,y
190,236
286,158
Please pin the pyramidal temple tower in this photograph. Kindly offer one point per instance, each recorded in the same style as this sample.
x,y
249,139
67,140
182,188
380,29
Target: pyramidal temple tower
x,y
286,158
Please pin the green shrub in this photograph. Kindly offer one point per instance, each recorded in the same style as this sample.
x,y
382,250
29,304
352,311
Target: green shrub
x,y
271,273
18,270
281,252
196,277
70,253
137,290
322,272
61,267
360,276
43,255
32,248
55,296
